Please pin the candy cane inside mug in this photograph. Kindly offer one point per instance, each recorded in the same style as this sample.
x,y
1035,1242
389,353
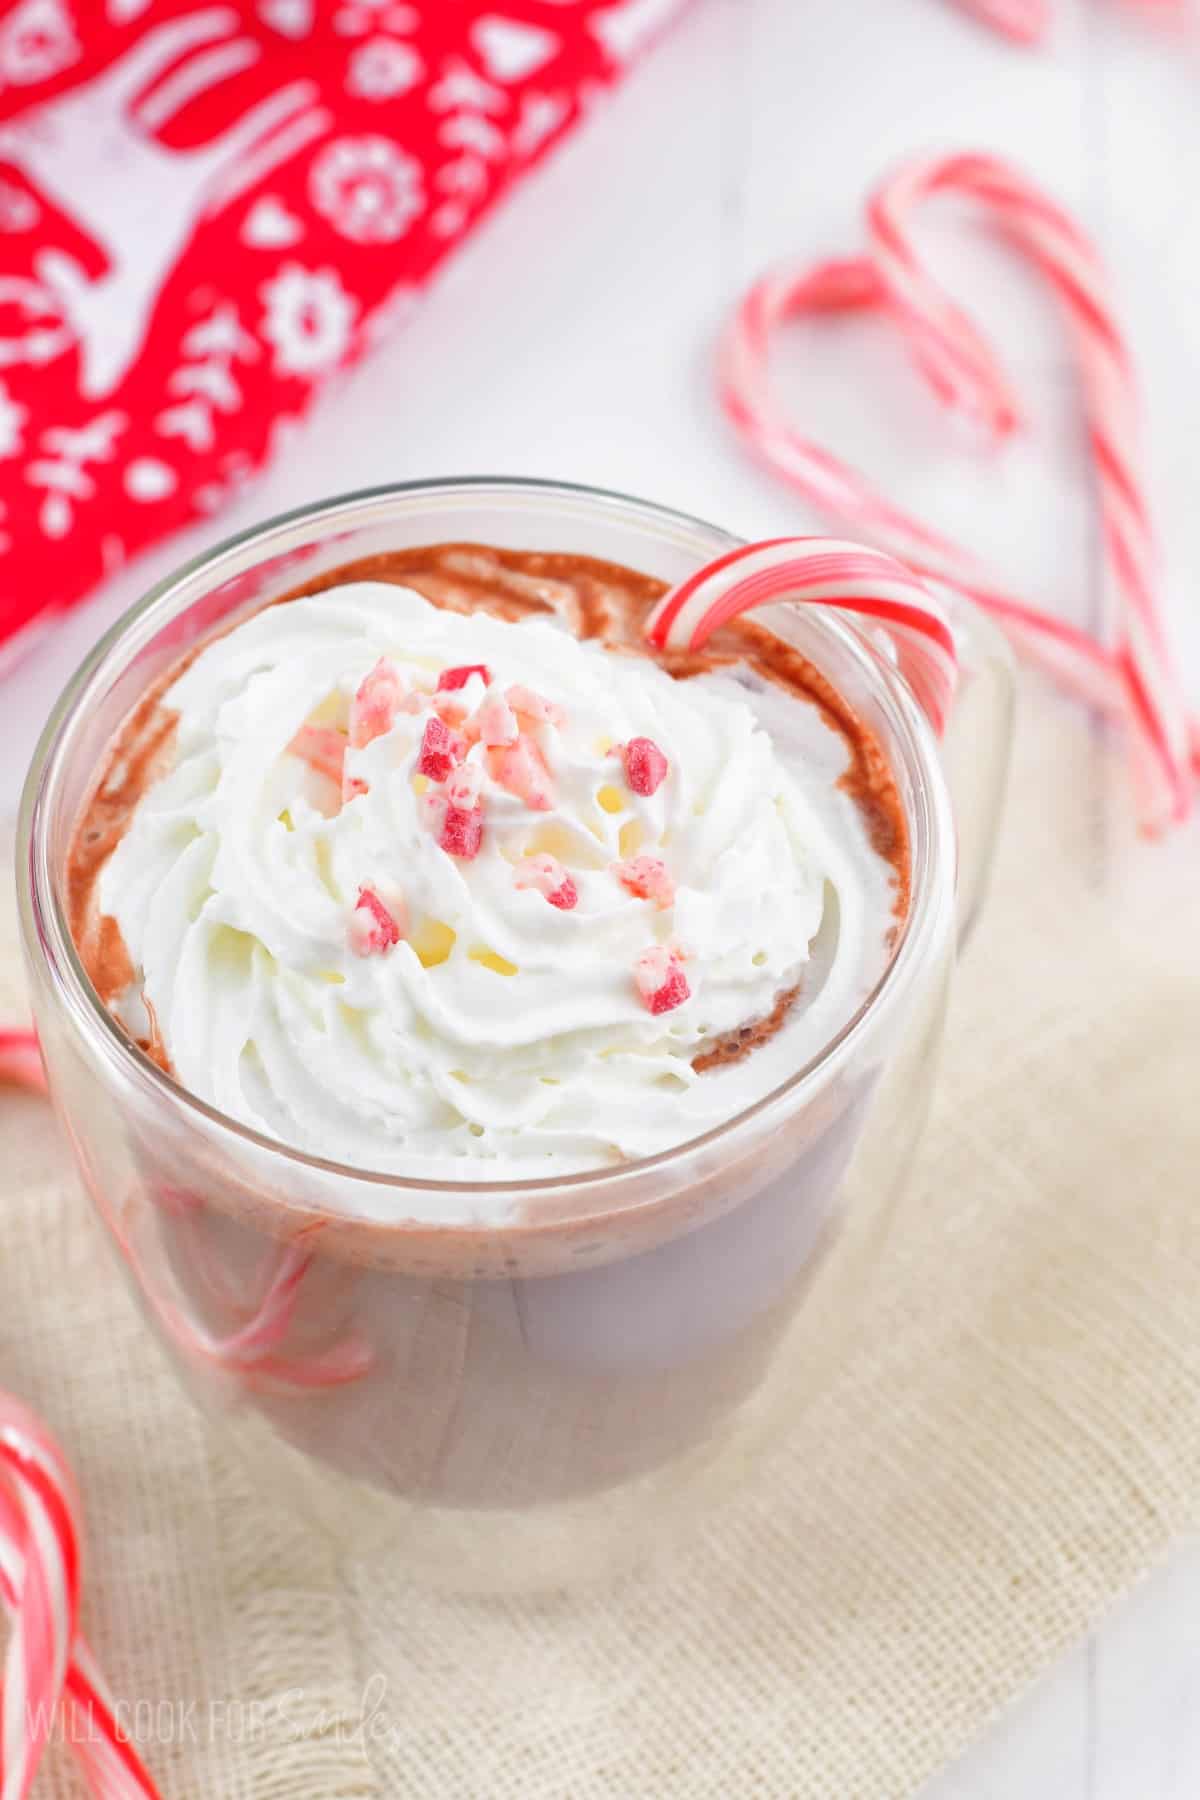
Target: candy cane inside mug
x,y
821,572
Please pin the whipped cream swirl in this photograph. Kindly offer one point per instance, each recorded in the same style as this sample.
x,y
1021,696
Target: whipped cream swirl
x,y
504,1034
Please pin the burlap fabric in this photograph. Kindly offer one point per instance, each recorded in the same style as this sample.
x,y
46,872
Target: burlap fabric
x,y
1015,1440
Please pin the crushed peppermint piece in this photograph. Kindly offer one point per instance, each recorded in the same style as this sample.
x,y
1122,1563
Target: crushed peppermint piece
x,y
375,928
374,707
464,786
449,710
647,878
645,765
550,878
432,807
495,721
322,748
535,709
440,752
462,832
521,770
458,677
660,979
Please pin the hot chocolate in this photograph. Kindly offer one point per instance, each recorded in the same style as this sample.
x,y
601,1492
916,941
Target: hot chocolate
x,y
430,867
433,868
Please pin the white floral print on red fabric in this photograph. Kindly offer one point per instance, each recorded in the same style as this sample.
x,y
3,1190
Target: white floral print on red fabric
x,y
270,226
290,18
540,116
206,383
32,329
19,211
62,470
368,188
207,206
37,40
148,478
357,17
511,50
382,68
309,319
458,86
12,420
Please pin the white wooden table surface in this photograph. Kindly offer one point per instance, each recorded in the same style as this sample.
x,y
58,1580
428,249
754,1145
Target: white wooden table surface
x,y
573,338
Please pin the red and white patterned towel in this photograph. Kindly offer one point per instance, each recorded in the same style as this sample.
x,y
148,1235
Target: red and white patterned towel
x,y
206,209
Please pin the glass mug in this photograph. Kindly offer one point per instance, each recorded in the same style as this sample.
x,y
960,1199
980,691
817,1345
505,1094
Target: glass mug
x,y
530,1403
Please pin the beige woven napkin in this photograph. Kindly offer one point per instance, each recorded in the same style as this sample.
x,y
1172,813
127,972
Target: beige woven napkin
x,y
1016,1439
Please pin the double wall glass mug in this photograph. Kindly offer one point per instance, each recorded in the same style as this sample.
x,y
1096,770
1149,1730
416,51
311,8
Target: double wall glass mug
x,y
534,1402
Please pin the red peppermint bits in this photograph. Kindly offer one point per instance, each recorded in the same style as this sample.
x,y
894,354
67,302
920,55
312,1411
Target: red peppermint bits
x,y
449,710
440,752
646,767
464,786
521,770
495,721
458,677
565,896
374,707
322,748
432,808
660,979
462,832
548,876
647,878
535,709
374,927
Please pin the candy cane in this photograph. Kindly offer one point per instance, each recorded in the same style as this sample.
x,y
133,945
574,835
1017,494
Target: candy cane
x,y
44,1626
1135,678
1028,21
48,1663
822,572
250,1352
1024,21
1063,254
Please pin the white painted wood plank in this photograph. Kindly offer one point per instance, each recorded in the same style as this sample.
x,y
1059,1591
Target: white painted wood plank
x,y
1147,1690
1039,1750
1119,1719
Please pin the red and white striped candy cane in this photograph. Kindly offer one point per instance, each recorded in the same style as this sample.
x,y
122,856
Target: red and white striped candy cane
x,y
1063,254
820,572
251,1353
1024,21
48,1664
1135,676
44,1624
748,397
1028,21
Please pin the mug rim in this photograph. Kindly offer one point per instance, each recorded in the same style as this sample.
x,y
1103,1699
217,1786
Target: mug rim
x,y
47,932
